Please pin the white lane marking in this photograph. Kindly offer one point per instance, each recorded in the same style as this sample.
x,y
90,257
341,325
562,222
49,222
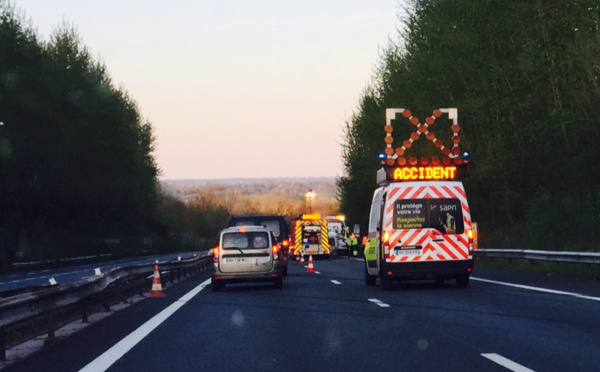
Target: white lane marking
x,y
378,303
336,282
578,295
506,363
104,361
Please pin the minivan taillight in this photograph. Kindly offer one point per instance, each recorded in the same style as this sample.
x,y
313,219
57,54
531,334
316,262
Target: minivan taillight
x,y
275,251
216,254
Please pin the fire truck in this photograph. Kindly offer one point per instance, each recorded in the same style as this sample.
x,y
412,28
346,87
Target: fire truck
x,y
420,222
310,235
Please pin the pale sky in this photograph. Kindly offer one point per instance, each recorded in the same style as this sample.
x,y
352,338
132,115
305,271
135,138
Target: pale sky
x,y
236,88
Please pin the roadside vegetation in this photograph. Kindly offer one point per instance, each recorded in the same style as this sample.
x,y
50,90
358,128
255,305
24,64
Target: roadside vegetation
x,y
76,164
571,270
196,214
77,173
525,79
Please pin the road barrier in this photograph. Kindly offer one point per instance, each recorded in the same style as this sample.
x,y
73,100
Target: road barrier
x,y
49,306
533,255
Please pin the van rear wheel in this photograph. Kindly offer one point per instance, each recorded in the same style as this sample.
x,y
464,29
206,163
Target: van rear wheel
x,y
386,283
216,286
369,279
278,282
462,281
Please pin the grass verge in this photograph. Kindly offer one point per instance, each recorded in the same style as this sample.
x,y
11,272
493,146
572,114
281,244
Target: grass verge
x,y
572,270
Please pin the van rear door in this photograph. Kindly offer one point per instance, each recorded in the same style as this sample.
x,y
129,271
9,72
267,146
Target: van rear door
x,y
246,252
428,221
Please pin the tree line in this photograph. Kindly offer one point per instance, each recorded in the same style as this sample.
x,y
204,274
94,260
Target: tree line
x,y
75,155
194,215
77,172
525,79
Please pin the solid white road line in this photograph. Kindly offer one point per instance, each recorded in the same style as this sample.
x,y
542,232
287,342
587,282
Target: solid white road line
x,y
506,363
336,282
104,361
578,295
378,303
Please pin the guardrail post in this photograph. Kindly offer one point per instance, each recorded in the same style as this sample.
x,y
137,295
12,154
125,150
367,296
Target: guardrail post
x,y
2,346
51,329
83,311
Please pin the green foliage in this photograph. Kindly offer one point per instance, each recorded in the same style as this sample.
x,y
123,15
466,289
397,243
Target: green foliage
x,y
76,158
524,77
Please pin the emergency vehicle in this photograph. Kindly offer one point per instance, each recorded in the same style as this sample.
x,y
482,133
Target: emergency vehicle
x,y
337,234
310,235
420,221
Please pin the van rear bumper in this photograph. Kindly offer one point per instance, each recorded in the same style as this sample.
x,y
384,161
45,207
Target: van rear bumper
x,y
427,270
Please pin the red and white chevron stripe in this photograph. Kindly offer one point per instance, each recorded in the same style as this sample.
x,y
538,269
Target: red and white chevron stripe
x,y
435,245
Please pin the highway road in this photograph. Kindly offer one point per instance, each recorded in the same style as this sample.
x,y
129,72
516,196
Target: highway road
x,y
330,320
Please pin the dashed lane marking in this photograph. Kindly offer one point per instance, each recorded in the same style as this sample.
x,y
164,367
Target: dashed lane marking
x,y
506,363
378,303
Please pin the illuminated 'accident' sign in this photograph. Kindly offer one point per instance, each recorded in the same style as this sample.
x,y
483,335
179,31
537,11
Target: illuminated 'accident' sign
x,y
422,173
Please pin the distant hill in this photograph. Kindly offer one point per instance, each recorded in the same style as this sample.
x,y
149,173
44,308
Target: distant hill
x,y
323,186
285,196
245,181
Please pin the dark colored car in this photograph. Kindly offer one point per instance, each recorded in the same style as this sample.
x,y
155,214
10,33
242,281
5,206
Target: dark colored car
x,y
273,222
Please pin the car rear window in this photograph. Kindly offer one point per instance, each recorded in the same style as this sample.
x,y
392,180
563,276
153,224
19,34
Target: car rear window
x,y
246,240
244,223
273,226
444,215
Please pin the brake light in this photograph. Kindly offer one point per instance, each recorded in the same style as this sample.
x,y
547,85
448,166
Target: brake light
x,y
215,254
275,249
285,243
470,235
386,246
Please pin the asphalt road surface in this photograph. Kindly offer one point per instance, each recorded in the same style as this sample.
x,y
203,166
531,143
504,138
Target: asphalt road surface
x,y
330,320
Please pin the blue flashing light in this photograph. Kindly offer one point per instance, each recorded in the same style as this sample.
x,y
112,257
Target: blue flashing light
x,y
382,156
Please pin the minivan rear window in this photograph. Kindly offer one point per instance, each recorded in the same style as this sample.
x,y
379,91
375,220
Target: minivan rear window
x,y
444,215
247,240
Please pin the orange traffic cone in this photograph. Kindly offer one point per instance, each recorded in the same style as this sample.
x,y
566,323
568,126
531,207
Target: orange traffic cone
x,y
302,258
311,268
156,286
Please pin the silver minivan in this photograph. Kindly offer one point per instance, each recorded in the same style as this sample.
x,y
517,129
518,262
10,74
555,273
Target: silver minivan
x,y
246,254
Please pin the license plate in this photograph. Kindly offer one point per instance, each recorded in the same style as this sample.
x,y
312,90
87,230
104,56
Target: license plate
x,y
237,260
408,250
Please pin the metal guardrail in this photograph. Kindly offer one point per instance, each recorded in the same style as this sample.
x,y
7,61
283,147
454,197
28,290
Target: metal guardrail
x,y
529,254
22,265
79,296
